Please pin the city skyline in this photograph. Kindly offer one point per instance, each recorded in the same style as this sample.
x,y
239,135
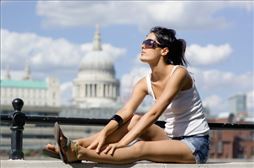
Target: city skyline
x,y
219,39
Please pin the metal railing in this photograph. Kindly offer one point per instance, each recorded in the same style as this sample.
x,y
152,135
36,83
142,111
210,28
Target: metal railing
x,y
17,120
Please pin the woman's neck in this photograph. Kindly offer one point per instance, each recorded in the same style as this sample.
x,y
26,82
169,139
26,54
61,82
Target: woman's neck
x,y
160,72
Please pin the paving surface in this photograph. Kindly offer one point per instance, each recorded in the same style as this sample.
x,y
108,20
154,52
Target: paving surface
x,y
142,164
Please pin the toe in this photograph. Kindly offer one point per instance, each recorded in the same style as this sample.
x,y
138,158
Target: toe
x,y
52,148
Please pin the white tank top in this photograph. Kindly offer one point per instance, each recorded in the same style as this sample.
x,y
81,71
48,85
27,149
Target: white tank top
x,y
184,116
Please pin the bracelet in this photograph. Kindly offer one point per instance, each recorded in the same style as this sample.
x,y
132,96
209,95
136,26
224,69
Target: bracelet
x,y
118,119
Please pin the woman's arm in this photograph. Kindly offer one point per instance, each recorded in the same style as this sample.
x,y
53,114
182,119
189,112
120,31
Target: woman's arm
x,y
174,85
138,94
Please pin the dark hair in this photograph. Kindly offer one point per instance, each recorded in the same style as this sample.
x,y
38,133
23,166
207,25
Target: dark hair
x,y
166,37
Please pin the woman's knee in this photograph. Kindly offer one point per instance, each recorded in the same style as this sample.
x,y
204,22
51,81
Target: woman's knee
x,y
139,148
133,121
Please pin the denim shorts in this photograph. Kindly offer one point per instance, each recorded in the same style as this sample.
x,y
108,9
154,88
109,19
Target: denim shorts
x,y
199,145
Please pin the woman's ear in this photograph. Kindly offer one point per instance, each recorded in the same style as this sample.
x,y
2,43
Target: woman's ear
x,y
164,51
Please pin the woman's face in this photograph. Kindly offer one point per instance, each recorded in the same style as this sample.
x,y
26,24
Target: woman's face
x,y
150,51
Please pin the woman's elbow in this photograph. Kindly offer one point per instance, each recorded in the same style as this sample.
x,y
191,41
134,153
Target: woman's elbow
x,y
125,114
154,116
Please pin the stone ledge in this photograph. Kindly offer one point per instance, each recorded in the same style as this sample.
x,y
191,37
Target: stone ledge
x,y
142,164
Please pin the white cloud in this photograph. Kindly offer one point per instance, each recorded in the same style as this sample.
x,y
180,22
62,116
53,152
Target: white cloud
x,y
215,80
144,14
247,5
227,80
128,82
130,79
66,93
46,54
210,54
42,52
215,103
16,75
216,86
110,53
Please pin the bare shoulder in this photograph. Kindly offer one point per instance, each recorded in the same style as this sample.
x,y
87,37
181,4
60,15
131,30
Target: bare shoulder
x,y
182,78
180,72
138,93
141,85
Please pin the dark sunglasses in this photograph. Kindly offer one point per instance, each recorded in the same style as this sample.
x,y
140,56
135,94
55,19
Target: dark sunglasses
x,y
149,43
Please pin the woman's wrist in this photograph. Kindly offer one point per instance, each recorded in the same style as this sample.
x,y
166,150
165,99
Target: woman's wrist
x,y
118,119
103,131
109,128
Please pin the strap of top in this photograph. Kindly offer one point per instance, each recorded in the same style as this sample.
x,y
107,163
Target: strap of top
x,y
149,82
174,69
149,85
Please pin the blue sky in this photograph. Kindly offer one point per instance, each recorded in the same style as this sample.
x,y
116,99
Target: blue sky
x,y
219,39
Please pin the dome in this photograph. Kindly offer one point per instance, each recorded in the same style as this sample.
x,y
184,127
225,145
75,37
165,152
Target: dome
x,y
97,61
96,85
97,66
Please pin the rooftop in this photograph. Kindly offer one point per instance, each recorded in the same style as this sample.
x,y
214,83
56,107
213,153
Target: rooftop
x,y
31,84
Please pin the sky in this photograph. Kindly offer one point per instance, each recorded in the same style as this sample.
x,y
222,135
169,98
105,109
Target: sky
x,y
53,37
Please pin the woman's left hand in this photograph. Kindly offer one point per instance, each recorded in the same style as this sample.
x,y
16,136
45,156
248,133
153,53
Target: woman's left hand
x,y
110,149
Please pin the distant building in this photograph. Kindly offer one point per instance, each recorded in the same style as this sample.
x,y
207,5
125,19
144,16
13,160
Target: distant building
x,y
231,144
95,88
237,104
96,84
95,95
41,97
35,93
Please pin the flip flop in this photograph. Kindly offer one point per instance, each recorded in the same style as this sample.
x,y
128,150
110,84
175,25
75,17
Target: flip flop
x,y
66,147
50,153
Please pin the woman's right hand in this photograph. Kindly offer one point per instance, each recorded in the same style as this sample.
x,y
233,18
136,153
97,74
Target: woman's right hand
x,y
98,142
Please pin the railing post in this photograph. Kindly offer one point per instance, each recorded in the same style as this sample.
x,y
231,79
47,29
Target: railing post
x,y
17,127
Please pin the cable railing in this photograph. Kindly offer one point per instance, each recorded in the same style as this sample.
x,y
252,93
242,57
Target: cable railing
x,y
18,119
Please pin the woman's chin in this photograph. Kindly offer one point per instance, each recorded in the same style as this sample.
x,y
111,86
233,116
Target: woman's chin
x,y
143,60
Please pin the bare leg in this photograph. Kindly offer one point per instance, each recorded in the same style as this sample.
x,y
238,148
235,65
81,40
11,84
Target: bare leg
x,y
157,151
85,142
152,133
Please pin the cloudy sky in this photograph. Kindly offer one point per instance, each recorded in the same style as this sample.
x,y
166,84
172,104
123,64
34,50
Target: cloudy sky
x,y
53,37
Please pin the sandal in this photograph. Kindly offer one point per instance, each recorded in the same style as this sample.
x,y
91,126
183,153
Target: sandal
x,y
64,149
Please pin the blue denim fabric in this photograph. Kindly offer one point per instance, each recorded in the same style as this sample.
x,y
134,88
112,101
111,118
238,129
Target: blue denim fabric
x,y
199,145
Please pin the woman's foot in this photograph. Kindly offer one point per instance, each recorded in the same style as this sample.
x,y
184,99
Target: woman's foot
x,y
51,151
68,149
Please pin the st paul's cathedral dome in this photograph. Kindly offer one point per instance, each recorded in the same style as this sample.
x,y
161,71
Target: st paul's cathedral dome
x,y
95,84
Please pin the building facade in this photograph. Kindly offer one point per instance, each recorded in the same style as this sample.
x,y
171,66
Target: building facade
x,y
41,97
231,144
36,93
95,95
237,104
96,84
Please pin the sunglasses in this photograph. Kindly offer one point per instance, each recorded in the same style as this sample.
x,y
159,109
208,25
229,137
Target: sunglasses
x,y
149,43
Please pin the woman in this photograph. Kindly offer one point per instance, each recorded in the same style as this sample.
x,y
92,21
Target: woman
x,y
128,137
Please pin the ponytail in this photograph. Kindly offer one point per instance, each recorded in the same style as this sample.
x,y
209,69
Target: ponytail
x,y
166,37
176,55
